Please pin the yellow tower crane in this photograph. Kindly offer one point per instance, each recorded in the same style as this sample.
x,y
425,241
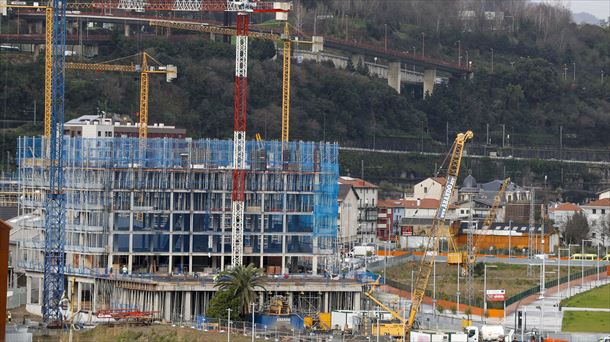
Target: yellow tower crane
x,y
145,69
48,60
286,56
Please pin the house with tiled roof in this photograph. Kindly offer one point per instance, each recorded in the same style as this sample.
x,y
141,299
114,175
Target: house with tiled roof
x,y
347,227
560,213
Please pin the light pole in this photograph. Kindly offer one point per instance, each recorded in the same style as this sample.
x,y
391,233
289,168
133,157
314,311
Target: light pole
x,y
582,262
412,273
597,258
559,269
378,314
541,318
570,267
510,234
229,325
457,293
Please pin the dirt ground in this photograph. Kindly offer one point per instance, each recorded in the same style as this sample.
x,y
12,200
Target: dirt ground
x,y
512,278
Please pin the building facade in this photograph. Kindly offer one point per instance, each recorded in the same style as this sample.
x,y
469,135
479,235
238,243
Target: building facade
x,y
368,195
165,208
347,235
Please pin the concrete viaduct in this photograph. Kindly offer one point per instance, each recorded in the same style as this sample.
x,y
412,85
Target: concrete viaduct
x,y
395,66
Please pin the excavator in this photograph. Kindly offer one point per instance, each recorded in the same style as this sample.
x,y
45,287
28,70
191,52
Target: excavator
x,y
437,231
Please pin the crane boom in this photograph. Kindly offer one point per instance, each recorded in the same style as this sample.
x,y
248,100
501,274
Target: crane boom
x,y
496,204
426,264
369,294
211,29
145,70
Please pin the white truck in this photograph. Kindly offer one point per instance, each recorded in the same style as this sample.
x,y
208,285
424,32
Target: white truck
x,y
487,333
437,336
363,250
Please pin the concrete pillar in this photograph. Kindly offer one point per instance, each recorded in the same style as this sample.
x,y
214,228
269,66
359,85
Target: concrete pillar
x,y
284,271
394,76
326,307
28,290
429,78
129,261
357,300
79,295
126,30
213,36
40,290
93,298
190,264
357,59
318,43
290,299
167,308
187,306
314,265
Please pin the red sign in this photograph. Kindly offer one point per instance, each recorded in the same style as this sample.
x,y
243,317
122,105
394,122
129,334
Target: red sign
x,y
407,230
496,295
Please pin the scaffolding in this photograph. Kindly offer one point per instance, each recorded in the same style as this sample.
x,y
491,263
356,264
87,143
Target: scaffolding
x,y
166,207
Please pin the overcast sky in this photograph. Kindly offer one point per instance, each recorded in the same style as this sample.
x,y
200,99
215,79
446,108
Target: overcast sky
x,y
599,8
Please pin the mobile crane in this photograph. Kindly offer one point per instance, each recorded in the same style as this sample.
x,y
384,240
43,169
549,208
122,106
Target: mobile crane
x,y
438,225
392,329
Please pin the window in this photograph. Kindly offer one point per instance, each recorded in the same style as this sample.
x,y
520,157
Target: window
x,y
603,211
99,133
594,211
425,190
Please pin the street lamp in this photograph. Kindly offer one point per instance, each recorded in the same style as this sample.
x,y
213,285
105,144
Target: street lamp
x,y
559,269
485,287
457,293
229,325
541,318
570,267
582,262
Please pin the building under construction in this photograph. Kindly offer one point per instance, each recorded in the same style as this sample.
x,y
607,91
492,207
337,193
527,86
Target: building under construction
x,y
145,217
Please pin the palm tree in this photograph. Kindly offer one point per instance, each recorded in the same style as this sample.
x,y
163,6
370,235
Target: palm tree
x,y
242,281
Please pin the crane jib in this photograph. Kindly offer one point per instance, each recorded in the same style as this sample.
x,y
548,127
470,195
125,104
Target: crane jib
x,y
442,210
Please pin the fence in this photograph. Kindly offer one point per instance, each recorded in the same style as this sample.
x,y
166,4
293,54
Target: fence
x,y
553,283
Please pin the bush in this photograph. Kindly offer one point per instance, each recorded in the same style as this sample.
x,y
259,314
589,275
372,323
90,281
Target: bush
x,y
479,269
440,309
453,309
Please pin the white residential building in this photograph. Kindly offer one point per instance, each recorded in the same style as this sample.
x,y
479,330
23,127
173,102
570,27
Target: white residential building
x,y
347,235
560,213
368,198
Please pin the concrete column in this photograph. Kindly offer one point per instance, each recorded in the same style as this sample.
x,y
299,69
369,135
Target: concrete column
x,y
290,299
357,59
187,306
326,300
93,298
429,78
126,30
129,259
28,290
191,264
318,43
79,295
213,36
314,265
284,271
394,74
357,301
40,290
167,308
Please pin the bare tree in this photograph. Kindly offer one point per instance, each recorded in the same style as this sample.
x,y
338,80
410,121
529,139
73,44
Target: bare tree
x,y
604,226
577,229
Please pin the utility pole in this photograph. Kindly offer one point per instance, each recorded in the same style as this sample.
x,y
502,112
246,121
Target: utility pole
x,y
487,134
423,44
574,77
503,134
530,240
459,52
560,142
492,60
253,325
385,45
229,325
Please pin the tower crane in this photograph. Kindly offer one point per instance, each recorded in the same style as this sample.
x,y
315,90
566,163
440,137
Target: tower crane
x,y
48,57
427,260
145,69
285,37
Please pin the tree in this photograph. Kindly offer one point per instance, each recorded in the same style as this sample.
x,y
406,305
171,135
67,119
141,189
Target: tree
x,y
576,229
220,302
241,282
604,226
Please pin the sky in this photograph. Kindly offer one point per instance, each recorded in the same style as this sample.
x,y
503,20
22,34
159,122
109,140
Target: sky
x,y
599,8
